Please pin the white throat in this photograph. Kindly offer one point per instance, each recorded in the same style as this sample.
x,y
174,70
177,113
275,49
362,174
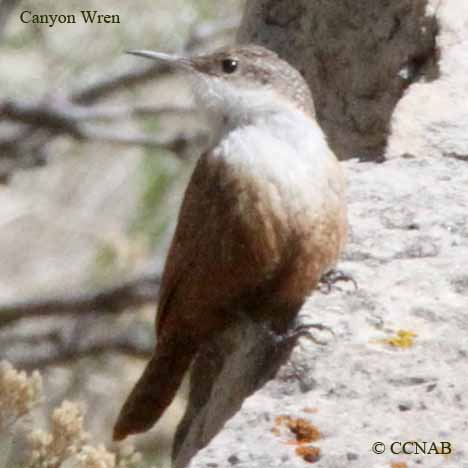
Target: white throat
x,y
227,107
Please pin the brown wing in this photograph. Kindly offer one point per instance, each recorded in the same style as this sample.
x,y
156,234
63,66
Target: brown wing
x,y
187,239
209,258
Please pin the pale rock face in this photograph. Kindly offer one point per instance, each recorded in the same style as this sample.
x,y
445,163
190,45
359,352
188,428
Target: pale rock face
x,y
432,118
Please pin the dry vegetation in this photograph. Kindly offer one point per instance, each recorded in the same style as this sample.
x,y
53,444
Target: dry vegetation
x,y
66,444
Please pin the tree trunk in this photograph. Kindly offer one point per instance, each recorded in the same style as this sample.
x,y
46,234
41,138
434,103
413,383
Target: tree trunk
x,y
357,56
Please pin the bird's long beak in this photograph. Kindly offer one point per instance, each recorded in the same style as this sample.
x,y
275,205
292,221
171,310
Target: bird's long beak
x,y
169,59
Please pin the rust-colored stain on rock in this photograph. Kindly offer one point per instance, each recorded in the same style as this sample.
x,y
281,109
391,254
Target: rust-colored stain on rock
x,y
309,454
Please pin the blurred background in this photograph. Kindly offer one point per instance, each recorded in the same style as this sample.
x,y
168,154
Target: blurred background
x,y
95,150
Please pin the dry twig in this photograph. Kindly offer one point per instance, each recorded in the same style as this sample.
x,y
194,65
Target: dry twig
x,y
60,351
111,300
43,120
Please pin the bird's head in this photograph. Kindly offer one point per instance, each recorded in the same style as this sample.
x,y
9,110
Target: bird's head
x,y
236,84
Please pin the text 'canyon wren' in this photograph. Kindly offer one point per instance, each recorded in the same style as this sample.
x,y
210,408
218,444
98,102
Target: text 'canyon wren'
x,y
263,217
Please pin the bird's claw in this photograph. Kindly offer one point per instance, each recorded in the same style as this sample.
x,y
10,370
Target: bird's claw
x,y
303,330
334,276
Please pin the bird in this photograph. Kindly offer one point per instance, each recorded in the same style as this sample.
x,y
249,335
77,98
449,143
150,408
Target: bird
x,y
263,217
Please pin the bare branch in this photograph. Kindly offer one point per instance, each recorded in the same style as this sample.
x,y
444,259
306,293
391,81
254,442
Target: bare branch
x,y
61,352
106,86
178,144
53,118
24,148
112,300
83,113
60,117
65,115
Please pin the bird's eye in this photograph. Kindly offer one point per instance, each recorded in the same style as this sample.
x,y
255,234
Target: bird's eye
x,y
229,65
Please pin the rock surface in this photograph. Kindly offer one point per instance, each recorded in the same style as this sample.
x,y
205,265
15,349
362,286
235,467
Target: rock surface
x,y
432,117
358,58
409,254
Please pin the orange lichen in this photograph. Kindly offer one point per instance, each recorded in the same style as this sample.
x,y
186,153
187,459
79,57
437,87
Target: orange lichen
x,y
304,431
309,454
310,410
399,465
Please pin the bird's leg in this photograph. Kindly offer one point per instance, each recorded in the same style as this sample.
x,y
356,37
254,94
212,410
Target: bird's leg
x,y
301,330
289,340
334,276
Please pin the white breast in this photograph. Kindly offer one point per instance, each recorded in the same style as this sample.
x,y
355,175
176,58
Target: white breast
x,y
284,163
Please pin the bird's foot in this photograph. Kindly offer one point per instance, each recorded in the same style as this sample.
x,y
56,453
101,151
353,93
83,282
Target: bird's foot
x,y
299,366
332,277
303,330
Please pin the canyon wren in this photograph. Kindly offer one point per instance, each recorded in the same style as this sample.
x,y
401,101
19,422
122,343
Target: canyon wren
x,y
262,219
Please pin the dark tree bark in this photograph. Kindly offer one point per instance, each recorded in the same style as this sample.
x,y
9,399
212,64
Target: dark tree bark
x,y
357,56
